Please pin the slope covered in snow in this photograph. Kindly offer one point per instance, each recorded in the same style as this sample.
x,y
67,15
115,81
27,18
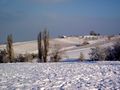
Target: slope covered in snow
x,y
68,44
60,76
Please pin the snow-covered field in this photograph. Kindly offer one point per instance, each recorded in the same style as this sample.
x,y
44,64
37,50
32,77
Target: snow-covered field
x,y
60,76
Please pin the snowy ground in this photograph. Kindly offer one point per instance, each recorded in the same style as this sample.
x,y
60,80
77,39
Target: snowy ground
x,y
60,76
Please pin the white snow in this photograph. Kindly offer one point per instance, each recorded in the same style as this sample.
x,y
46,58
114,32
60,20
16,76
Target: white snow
x,y
60,76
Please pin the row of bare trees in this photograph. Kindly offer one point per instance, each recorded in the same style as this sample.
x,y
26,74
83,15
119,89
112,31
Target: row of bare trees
x,y
7,55
43,48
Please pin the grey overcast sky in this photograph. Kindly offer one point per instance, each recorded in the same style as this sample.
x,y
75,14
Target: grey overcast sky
x,y
25,18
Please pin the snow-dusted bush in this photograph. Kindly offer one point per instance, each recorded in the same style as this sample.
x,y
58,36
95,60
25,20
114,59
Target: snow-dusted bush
x,y
55,57
117,50
97,53
113,53
81,57
34,55
110,53
3,56
85,42
28,57
24,58
20,58
56,54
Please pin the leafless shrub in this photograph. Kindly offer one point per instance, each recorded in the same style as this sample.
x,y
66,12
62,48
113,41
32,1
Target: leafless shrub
x,y
24,58
81,57
28,57
21,58
34,55
85,42
3,56
56,54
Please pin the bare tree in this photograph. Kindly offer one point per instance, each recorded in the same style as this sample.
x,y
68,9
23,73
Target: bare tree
x,y
40,47
9,47
46,44
43,45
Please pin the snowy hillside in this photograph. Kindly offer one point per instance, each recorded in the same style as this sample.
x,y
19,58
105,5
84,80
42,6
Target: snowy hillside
x,y
69,44
60,76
